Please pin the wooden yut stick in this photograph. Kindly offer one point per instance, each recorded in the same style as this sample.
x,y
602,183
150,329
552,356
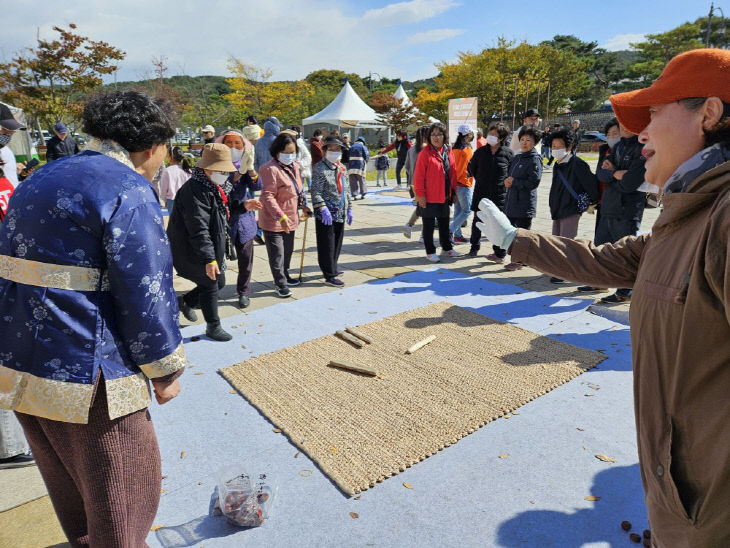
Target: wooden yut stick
x,y
421,344
349,338
359,335
354,367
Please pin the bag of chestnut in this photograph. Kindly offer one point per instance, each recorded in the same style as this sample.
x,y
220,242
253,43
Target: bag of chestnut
x,y
243,500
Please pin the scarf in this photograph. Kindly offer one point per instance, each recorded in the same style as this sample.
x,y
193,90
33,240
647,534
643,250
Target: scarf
x,y
199,177
110,148
702,162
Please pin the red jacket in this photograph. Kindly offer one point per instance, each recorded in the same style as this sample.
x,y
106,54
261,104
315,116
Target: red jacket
x,y
6,190
428,180
316,149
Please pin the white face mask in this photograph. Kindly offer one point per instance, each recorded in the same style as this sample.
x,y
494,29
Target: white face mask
x,y
559,153
218,178
613,141
333,157
287,159
492,140
236,154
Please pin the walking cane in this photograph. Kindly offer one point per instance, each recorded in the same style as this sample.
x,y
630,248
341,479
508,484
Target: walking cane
x,y
304,244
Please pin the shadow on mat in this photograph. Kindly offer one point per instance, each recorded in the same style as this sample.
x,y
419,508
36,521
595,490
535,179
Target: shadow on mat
x,y
621,498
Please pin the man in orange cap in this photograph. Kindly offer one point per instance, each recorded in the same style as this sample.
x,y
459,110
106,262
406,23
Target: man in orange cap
x,y
680,312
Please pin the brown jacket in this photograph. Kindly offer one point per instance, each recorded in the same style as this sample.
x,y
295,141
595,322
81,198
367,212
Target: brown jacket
x,y
680,328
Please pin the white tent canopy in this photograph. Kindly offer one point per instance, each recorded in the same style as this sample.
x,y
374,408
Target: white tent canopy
x,y
402,96
346,110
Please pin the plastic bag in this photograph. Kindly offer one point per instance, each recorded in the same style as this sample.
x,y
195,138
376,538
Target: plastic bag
x,y
243,500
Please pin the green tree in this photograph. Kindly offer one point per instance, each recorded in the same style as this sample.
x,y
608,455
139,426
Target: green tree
x,y
395,114
49,81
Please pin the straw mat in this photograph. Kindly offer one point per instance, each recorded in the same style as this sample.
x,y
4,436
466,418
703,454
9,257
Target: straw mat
x,y
361,429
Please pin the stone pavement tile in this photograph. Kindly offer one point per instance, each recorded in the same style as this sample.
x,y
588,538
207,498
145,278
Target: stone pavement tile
x,y
32,525
19,485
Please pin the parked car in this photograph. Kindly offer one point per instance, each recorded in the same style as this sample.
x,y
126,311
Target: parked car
x,y
593,137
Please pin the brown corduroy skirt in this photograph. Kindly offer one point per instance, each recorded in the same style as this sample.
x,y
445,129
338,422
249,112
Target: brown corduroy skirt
x,y
103,477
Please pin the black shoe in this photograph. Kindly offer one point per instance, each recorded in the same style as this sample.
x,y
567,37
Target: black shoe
x,y
18,461
615,299
340,273
215,332
587,288
258,239
334,282
463,225
473,251
292,282
555,280
283,292
244,301
187,311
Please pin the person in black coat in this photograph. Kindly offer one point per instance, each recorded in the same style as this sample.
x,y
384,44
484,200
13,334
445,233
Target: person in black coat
x,y
525,172
61,144
622,205
198,232
489,167
571,178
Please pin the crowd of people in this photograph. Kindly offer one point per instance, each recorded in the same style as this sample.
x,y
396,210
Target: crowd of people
x,y
91,315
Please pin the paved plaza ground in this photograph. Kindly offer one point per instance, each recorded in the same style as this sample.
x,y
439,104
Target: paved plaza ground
x,y
463,495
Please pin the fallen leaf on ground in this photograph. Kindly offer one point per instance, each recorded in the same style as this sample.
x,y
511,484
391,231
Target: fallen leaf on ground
x,y
579,428
605,458
200,483
198,373
195,339
182,454
243,346
407,485
592,498
333,449
507,416
233,392
532,502
156,527
588,395
295,456
594,387
515,412
276,430
358,497
305,473
504,455
162,491
164,477
354,515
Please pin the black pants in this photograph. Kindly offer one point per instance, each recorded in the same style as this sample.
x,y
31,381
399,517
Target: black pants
x,y
245,267
521,222
398,167
476,235
329,245
429,224
205,295
279,247
611,230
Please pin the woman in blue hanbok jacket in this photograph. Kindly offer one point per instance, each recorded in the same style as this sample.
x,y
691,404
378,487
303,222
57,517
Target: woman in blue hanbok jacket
x,y
89,316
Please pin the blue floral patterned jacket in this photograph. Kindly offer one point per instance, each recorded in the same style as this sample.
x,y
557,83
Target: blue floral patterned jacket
x,y
85,289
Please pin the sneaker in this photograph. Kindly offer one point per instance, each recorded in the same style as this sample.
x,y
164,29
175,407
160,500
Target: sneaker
x,y
473,251
362,197
495,259
554,280
460,240
258,239
452,253
18,461
292,282
283,292
216,332
420,240
244,301
433,257
186,310
587,288
407,230
334,282
615,299
514,266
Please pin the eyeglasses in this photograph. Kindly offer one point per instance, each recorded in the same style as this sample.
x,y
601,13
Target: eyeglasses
x,y
437,135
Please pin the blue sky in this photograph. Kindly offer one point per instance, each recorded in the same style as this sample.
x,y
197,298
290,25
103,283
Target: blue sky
x,y
395,39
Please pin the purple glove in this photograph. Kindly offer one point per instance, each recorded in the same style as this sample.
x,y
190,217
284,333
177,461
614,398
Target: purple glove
x,y
349,215
326,216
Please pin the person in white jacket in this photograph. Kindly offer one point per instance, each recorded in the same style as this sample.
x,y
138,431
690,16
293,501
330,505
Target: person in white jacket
x,y
530,118
304,157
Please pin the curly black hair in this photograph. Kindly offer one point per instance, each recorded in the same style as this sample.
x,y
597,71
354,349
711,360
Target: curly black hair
x,y
530,132
612,122
131,118
567,136
279,144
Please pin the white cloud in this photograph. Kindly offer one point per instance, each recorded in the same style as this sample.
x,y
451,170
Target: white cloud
x,y
434,35
622,41
402,13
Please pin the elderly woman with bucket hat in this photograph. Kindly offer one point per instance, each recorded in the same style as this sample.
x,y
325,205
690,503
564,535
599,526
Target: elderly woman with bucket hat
x,y
332,207
680,311
198,232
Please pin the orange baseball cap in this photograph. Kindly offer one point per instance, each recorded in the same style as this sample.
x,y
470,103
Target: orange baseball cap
x,y
696,73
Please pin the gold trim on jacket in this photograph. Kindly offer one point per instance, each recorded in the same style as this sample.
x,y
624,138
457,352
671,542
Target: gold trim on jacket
x,y
55,276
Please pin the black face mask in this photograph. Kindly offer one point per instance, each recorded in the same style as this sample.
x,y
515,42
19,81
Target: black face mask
x,y
4,139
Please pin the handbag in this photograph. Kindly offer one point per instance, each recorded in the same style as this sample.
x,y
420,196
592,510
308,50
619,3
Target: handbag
x,y
583,200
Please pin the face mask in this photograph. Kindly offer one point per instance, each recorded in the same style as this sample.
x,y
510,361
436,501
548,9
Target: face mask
x,y
218,178
333,157
492,140
5,139
613,141
287,159
236,154
559,153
